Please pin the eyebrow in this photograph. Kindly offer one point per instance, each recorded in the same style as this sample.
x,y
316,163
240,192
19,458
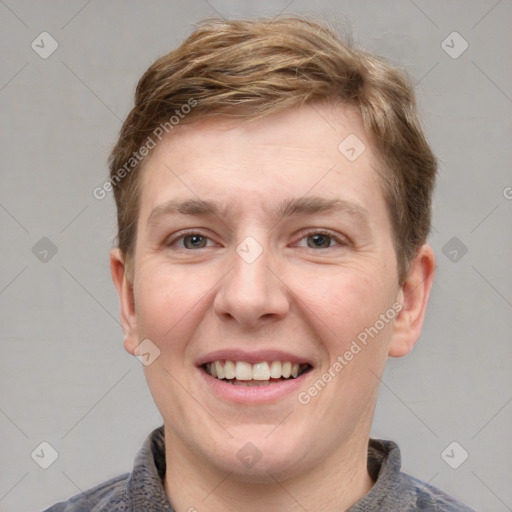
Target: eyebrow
x,y
287,208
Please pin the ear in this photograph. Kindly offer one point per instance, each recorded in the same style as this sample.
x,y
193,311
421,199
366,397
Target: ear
x,y
413,295
124,286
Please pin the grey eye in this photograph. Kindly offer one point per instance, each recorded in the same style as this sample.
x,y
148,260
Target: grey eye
x,y
319,241
194,241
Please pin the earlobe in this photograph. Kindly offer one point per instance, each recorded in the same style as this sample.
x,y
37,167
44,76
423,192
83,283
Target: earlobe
x,y
413,296
124,287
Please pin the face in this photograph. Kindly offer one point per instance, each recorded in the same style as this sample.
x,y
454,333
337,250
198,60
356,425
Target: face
x,y
263,250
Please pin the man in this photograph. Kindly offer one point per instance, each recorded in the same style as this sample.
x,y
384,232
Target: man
x,y
273,189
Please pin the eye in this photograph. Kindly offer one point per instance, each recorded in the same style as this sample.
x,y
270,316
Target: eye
x,y
319,240
191,241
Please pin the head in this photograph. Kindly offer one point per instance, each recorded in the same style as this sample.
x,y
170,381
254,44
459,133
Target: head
x,y
273,189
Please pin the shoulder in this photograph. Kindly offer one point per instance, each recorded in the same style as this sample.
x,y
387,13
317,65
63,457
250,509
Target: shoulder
x,y
395,491
416,495
110,495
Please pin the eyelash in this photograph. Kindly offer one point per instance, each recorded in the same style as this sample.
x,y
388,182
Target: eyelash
x,y
341,242
184,234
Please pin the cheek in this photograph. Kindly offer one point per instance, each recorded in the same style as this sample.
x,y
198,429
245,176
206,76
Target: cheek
x,y
343,306
165,301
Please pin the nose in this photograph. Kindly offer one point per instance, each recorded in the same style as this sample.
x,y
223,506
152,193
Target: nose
x,y
251,293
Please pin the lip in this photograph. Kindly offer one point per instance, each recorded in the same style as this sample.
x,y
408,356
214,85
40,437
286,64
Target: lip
x,y
253,394
251,357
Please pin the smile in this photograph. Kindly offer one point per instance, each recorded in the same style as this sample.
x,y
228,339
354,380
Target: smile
x,y
264,373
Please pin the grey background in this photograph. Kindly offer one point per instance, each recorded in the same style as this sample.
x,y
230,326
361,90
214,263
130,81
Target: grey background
x,y
65,377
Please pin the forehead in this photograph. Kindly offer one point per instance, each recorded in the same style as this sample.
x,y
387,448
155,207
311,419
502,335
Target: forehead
x,y
320,150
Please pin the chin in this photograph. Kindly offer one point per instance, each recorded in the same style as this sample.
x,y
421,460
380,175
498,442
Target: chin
x,y
253,456
267,470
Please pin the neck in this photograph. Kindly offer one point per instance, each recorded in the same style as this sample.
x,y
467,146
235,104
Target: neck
x,y
335,484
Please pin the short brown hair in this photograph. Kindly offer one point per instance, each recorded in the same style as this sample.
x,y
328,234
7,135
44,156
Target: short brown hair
x,y
248,69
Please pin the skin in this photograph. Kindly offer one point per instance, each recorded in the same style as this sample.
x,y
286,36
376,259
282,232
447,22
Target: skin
x,y
294,297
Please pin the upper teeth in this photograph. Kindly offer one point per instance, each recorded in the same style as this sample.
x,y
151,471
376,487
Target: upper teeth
x,y
241,370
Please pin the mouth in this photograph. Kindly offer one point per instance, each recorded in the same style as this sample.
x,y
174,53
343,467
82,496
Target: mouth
x,y
264,373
